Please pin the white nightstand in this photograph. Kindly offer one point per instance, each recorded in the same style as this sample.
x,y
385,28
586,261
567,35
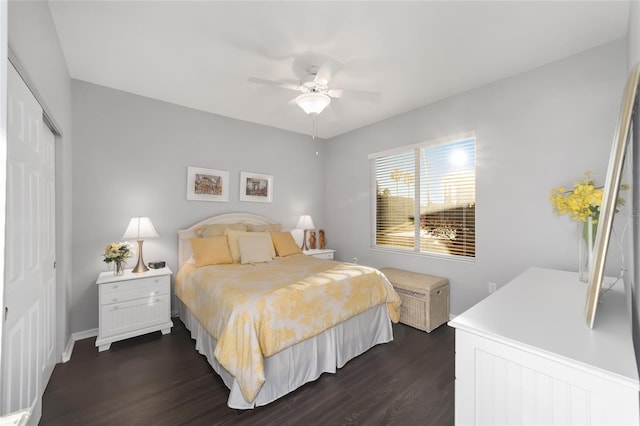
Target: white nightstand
x,y
320,253
133,304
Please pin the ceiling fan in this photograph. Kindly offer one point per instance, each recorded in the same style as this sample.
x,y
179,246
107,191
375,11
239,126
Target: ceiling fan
x,y
316,94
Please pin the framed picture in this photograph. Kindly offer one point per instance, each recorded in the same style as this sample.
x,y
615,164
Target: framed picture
x,y
207,184
255,187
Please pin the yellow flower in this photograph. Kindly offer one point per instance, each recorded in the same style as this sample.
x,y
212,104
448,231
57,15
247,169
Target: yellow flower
x,y
580,203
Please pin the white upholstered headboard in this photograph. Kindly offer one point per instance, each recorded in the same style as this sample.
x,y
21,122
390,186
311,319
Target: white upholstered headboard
x,y
184,235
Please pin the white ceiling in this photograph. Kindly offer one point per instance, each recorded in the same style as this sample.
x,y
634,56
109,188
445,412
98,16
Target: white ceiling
x,y
200,54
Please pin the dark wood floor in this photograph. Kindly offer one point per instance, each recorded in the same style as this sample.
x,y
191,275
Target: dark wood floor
x,y
162,380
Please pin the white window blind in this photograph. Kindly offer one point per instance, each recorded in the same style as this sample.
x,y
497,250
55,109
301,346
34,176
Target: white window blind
x,y
424,198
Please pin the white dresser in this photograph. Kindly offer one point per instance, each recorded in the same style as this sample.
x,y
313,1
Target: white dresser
x,y
525,355
133,304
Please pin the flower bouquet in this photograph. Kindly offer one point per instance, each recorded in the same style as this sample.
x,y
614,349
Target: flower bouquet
x,y
118,254
582,204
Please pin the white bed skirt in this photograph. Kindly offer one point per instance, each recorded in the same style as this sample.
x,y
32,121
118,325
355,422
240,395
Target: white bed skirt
x,y
304,362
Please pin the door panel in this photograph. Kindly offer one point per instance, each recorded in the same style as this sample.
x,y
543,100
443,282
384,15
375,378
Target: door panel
x,y
46,247
29,328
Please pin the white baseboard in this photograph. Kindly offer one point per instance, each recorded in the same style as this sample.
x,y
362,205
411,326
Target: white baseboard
x,y
80,335
19,418
66,355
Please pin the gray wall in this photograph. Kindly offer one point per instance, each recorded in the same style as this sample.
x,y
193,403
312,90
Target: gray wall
x,y
34,42
535,131
130,159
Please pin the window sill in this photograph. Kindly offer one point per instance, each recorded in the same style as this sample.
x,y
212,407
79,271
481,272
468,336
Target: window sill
x,y
435,256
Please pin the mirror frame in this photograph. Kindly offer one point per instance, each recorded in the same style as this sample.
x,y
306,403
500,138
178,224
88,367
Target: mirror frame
x,y
610,196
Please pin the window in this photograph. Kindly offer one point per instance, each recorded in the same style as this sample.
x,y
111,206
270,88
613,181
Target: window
x,y
424,198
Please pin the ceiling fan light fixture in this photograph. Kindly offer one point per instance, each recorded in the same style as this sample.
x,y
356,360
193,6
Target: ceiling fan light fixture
x,y
313,103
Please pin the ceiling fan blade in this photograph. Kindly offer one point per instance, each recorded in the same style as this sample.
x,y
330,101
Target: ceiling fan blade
x,y
355,94
284,84
261,39
327,70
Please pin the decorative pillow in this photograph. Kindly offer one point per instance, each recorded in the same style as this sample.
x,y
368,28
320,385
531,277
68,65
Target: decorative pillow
x,y
211,251
254,249
233,236
216,230
269,227
285,244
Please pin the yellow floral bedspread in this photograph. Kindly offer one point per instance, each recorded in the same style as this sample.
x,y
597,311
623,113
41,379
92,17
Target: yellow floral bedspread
x,y
255,311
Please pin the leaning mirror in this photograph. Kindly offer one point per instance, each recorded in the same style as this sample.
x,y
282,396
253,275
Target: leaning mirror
x,y
621,139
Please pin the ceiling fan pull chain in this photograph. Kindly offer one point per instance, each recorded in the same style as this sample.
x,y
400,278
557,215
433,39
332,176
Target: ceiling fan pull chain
x,y
315,126
315,131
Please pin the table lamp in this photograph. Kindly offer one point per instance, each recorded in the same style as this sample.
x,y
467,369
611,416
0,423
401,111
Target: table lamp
x,y
140,228
305,222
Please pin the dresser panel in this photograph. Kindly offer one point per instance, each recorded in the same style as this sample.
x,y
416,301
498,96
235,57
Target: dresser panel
x,y
525,355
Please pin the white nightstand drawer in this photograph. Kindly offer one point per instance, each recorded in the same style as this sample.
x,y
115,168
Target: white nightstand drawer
x,y
119,318
134,284
326,254
137,293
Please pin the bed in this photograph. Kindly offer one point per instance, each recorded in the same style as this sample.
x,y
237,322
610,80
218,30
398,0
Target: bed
x,y
267,328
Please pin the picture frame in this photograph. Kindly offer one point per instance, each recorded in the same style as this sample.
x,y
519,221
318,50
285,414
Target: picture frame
x,y
621,138
207,184
256,187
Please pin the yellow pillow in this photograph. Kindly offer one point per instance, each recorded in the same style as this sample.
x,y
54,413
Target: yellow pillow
x,y
233,236
285,244
218,229
211,251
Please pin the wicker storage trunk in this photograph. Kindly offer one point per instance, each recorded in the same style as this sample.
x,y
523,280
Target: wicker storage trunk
x,y
425,298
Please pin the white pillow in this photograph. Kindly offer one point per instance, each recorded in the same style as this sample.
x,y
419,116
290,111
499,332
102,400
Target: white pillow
x,y
233,242
254,249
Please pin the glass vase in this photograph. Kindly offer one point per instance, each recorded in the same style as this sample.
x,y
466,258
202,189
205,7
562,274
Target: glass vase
x,y
586,240
118,267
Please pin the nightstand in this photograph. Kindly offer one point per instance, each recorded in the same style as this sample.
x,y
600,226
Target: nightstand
x,y
326,254
133,304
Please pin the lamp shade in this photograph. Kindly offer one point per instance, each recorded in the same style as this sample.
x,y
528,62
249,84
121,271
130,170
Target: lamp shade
x,y
305,222
140,228
313,103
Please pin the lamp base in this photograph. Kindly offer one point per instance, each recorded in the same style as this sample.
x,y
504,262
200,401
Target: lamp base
x,y
303,246
140,266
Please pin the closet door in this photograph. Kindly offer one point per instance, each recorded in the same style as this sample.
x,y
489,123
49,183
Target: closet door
x,y
47,243
29,267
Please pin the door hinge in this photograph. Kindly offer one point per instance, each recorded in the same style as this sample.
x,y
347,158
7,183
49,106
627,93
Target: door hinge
x,y
6,312
54,264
